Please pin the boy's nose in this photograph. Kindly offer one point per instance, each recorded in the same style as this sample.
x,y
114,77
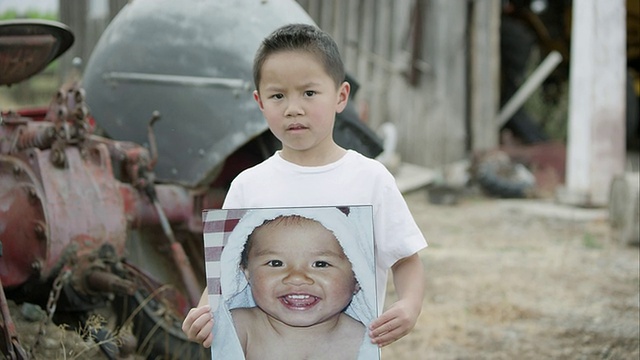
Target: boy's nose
x,y
293,109
297,277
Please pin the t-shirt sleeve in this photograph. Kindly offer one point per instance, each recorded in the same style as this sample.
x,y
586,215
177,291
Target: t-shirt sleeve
x,y
233,198
398,235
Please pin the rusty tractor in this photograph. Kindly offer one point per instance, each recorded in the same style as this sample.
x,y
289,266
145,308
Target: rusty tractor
x,y
102,190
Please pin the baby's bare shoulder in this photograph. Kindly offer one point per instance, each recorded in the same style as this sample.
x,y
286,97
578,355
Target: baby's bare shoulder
x,y
350,324
244,320
242,316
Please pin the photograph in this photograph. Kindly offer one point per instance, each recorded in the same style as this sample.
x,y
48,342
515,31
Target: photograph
x,y
293,280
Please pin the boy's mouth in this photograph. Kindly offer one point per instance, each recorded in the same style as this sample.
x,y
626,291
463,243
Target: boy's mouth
x,y
294,127
299,301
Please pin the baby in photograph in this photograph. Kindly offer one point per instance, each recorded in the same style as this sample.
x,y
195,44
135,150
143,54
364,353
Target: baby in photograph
x,y
301,286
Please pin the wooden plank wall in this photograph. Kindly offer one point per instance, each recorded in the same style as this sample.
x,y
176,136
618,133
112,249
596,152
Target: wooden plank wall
x,y
86,27
411,60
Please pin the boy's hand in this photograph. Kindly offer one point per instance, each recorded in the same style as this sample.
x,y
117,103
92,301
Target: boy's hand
x,y
401,317
198,325
393,324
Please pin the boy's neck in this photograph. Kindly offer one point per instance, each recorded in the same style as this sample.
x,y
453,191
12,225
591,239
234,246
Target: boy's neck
x,y
314,158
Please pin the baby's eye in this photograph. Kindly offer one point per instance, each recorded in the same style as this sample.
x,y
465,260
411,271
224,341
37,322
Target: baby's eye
x,y
277,96
321,264
309,93
274,263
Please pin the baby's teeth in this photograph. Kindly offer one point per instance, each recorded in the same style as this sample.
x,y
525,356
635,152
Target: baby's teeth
x,y
298,296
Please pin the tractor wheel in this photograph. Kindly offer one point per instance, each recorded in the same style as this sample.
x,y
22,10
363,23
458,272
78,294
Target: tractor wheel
x,y
153,316
499,177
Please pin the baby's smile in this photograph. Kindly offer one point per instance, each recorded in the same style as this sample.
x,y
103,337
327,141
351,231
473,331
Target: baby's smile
x,y
299,301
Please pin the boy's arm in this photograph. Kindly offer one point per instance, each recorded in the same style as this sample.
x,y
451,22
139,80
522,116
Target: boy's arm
x,y
204,298
401,317
198,323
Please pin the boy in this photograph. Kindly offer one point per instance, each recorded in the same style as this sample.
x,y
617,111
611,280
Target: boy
x,y
299,79
297,282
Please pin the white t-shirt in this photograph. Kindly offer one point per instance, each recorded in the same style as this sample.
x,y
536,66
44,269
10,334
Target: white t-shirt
x,y
352,180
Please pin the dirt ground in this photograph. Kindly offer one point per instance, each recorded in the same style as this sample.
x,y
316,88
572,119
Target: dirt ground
x,y
522,279
507,279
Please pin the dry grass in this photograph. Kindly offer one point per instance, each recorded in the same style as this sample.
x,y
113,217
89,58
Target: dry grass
x,y
505,283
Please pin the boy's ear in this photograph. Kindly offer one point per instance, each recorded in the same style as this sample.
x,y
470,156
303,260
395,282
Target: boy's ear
x,y
256,97
343,96
246,273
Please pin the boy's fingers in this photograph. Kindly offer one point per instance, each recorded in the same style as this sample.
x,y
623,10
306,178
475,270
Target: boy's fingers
x,y
383,329
207,333
196,320
387,336
385,323
380,321
384,340
197,311
208,341
389,332
187,323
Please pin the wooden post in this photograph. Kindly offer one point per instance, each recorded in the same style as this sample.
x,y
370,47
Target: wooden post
x,y
596,141
74,15
624,212
484,74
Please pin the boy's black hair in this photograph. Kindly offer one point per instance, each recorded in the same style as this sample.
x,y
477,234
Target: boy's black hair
x,y
301,37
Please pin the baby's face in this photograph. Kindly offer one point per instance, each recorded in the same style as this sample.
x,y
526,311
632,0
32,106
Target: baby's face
x,y
298,273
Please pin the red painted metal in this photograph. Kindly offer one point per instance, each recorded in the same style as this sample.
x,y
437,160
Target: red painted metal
x,y
22,222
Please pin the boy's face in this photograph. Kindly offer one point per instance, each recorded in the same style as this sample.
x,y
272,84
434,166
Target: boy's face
x,y
298,273
299,100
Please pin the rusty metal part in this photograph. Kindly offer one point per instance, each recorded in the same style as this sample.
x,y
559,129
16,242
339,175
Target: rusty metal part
x,y
15,351
153,146
177,252
39,136
28,46
127,344
180,258
106,282
22,215
58,283
57,207
95,275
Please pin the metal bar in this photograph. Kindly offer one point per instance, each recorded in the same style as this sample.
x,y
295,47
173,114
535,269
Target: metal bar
x,y
180,258
195,81
14,348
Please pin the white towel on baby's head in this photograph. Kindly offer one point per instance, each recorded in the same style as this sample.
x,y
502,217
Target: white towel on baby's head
x,y
352,227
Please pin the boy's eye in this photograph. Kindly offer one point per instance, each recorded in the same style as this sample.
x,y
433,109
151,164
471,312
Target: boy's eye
x,y
309,93
277,96
321,264
274,263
